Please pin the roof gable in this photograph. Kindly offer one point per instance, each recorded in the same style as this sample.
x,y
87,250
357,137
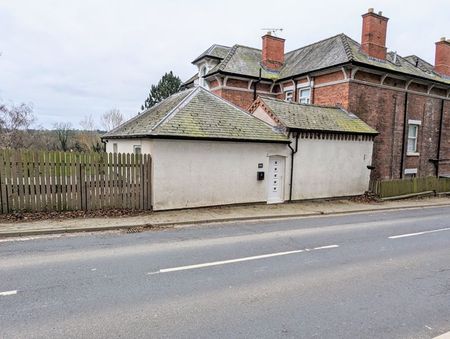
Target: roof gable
x,y
215,51
198,114
314,118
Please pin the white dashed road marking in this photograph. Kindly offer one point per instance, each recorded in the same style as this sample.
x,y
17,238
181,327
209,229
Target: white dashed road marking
x,y
231,261
418,233
6,293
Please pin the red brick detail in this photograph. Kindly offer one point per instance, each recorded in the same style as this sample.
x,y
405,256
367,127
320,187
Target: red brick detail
x,y
444,166
333,95
335,76
384,110
418,87
369,77
243,99
237,83
373,37
213,83
272,52
394,82
442,57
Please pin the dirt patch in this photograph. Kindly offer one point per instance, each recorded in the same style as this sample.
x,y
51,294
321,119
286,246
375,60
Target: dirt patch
x,y
36,216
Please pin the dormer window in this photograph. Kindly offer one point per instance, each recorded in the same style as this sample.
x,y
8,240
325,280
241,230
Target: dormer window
x,y
202,80
288,95
304,95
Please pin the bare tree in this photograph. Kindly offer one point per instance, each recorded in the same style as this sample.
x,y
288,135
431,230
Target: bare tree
x,y
14,123
111,119
89,138
63,131
88,123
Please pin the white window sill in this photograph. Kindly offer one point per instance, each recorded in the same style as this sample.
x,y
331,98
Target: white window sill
x,y
412,154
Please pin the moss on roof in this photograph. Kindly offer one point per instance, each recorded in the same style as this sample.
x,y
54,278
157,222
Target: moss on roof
x,y
336,50
316,118
198,113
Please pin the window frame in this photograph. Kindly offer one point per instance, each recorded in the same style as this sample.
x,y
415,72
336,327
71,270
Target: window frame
x,y
303,99
202,72
412,140
291,93
115,148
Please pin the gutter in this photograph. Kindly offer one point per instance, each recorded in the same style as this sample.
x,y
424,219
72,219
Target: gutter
x,y
388,70
178,137
292,163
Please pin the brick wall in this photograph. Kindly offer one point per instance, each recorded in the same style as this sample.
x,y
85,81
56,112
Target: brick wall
x,y
384,110
333,95
444,167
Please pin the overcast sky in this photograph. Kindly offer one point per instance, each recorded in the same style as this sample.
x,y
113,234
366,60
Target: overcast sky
x,y
75,58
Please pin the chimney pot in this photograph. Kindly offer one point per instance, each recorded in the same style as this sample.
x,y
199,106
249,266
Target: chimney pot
x,y
443,38
370,10
380,13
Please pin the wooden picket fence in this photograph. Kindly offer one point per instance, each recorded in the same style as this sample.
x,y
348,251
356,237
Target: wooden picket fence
x,y
399,187
64,181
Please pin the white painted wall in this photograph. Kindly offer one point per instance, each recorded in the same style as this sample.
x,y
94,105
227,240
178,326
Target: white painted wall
x,y
204,173
195,173
127,145
331,168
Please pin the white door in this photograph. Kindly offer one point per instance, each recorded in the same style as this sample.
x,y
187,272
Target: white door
x,y
276,180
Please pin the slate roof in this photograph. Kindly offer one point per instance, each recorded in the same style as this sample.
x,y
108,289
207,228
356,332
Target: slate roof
x,y
215,51
199,114
316,118
190,80
337,50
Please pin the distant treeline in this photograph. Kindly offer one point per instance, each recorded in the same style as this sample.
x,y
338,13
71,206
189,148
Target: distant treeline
x,y
18,131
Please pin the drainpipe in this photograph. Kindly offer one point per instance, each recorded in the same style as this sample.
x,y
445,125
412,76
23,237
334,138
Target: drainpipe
x,y
256,83
295,90
292,163
405,129
441,122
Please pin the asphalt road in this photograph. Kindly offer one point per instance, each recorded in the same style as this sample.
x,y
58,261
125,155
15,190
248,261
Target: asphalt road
x,y
369,275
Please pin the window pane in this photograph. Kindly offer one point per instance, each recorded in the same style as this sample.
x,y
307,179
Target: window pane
x,y
288,96
305,92
412,131
304,95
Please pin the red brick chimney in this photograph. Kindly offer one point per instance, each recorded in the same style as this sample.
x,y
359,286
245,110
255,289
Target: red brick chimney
x,y
272,52
442,57
373,39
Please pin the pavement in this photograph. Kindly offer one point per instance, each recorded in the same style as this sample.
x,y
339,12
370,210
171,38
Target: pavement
x,y
383,274
211,215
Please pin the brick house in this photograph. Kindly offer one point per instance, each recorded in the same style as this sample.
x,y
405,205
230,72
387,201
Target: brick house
x,y
406,99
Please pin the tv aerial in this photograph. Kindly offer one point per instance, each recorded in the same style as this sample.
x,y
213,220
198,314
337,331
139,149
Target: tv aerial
x,y
272,31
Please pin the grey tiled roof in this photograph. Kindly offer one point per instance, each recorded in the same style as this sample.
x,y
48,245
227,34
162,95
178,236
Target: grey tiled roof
x,y
339,49
316,118
322,54
243,60
144,123
215,51
190,80
197,113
